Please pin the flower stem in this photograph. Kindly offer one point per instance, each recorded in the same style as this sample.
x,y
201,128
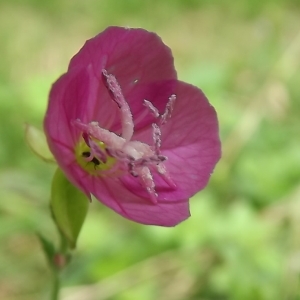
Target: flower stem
x,y
56,286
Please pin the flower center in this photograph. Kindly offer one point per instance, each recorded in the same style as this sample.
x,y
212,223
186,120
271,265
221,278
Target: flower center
x,y
90,161
101,152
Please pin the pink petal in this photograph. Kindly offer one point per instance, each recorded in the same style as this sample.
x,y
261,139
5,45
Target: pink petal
x,y
191,142
112,193
133,55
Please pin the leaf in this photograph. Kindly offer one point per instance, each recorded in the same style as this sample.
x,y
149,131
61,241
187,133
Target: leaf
x,y
48,248
69,207
37,142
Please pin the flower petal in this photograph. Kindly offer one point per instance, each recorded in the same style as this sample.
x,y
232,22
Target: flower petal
x,y
111,192
133,55
191,142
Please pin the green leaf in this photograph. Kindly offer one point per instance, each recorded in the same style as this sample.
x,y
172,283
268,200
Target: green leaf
x,y
69,207
48,248
37,142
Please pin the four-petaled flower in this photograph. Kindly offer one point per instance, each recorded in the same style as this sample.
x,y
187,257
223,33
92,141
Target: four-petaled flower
x,y
125,130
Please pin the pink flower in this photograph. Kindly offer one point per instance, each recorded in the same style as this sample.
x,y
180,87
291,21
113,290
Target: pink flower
x,y
125,130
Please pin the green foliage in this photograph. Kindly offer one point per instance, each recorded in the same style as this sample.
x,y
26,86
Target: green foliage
x,y
69,207
48,248
242,240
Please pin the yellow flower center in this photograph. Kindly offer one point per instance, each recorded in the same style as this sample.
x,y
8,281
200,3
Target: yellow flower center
x,y
95,165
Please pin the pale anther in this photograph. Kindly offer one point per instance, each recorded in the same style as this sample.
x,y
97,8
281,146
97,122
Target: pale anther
x,y
168,110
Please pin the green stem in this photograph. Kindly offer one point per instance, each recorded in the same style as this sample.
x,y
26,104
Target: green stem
x,y
56,286
63,258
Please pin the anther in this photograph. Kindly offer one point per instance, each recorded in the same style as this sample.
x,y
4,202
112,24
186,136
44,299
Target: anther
x,y
168,110
156,138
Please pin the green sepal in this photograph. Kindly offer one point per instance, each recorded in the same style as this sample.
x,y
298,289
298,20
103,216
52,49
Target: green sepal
x,y
69,207
37,142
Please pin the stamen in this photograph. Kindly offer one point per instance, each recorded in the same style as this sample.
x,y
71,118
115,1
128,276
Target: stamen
x,y
156,138
148,183
168,110
116,94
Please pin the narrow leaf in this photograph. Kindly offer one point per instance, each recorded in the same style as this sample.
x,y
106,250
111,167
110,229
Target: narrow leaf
x,y
37,142
48,248
69,207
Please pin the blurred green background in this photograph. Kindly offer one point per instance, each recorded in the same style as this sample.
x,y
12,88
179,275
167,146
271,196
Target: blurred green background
x,y
243,239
